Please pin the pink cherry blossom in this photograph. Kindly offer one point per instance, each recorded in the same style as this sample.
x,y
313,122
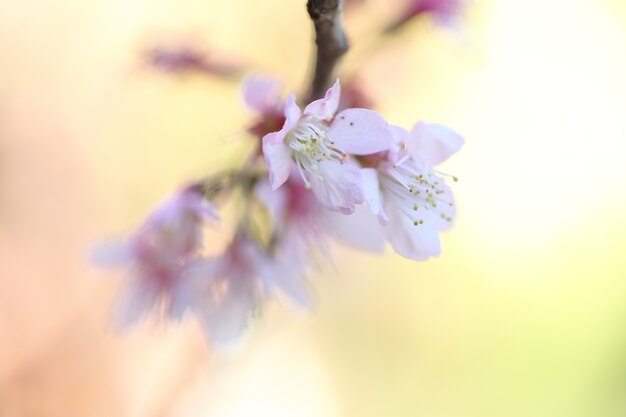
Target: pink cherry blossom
x,y
411,198
299,235
226,291
262,94
318,142
303,229
160,253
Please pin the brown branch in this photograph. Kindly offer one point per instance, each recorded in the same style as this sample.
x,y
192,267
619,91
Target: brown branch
x,y
331,42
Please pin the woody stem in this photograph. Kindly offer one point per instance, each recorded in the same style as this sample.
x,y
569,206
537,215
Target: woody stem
x,y
331,42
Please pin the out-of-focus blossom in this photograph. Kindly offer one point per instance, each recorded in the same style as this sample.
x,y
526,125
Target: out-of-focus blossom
x,y
302,229
186,59
226,291
263,95
410,199
295,212
445,11
299,235
318,142
160,254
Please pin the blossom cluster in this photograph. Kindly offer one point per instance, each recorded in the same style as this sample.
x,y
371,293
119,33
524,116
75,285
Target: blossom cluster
x,y
316,175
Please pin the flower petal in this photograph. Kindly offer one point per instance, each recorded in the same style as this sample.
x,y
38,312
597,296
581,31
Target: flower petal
x,y
286,272
136,299
262,93
228,307
325,108
371,192
277,157
414,242
338,186
434,143
292,113
359,230
274,201
360,132
401,139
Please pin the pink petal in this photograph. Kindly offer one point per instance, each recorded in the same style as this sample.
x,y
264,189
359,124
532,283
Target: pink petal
x,y
274,201
189,289
262,93
338,186
434,143
359,230
277,157
292,113
360,132
227,308
371,191
401,139
326,107
286,273
414,242
135,301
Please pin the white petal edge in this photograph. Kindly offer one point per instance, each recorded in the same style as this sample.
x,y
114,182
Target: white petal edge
x,y
326,107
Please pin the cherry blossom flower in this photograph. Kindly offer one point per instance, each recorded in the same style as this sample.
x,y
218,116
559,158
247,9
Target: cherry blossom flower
x,y
318,142
299,235
160,253
303,229
410,197
262,94
226,291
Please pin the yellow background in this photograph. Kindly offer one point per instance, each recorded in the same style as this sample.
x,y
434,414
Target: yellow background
x,y
523,314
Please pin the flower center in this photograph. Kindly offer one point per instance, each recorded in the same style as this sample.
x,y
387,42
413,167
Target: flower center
x,y
311,147
418,189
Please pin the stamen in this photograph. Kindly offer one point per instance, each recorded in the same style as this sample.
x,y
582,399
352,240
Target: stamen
x,y
455,179
401,161
307,184
425,190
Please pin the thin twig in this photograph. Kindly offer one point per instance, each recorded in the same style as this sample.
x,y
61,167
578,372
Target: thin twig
x,y
331,42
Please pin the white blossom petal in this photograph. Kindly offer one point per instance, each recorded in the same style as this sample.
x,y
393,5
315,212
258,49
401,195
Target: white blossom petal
x,y
277,157
338,186
360,132
325,108
418,242
372,194
359,230
434,143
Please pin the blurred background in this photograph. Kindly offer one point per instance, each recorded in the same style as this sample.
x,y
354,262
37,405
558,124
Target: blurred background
x,y
522,315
